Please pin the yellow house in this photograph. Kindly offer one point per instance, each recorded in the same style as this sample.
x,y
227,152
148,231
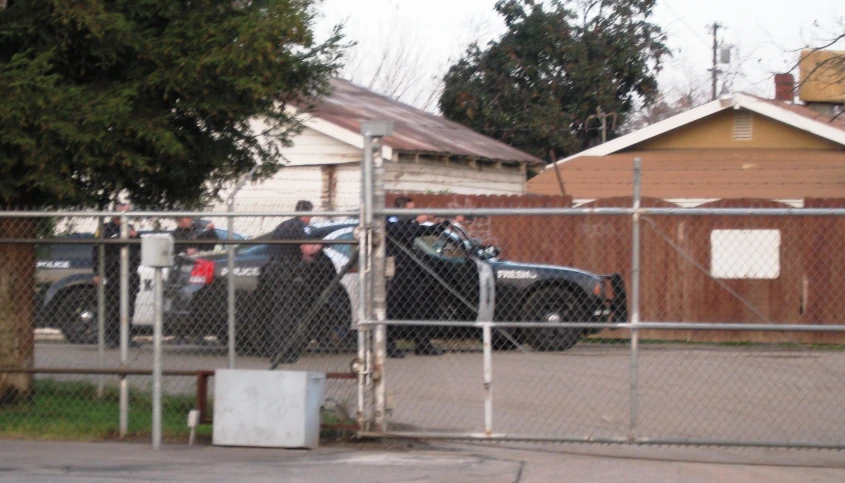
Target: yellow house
x,y
738,146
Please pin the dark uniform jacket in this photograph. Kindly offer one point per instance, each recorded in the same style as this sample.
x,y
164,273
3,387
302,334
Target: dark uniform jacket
x,y
408,293
183,236
112,256
293,229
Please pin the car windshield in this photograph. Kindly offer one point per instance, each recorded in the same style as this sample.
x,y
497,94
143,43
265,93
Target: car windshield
x,y
472,246
450,245
460,237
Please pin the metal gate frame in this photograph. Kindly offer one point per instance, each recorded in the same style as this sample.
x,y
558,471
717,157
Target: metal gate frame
x,y
372,351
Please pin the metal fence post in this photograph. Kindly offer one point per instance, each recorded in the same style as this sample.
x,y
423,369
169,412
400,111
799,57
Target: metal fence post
x,y
157,326
124,325
364,362
230,282
101,306
635,294
487,337
230,265
373,132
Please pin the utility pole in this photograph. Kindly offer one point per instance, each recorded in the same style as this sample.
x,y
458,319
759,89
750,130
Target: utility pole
x,y
714,71
602,116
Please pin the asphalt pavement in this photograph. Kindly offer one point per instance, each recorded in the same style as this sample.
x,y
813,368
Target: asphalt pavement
x,y
401,460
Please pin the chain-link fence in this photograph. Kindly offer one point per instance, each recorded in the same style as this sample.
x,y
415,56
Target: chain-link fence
x,y
79,266
510,317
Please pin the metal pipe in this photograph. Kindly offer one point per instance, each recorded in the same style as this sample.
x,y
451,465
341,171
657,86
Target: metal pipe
x,y
364,372
635,296
577,211
743,211
157,359
367,170
230,288
92,371
363,234
379,334
135,241
600,440
373,195
487,336
230,284
230,264
727,326
202,382
124,327
101,306
378,284
172,214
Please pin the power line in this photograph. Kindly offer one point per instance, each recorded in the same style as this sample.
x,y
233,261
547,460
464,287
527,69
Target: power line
x,y
700,39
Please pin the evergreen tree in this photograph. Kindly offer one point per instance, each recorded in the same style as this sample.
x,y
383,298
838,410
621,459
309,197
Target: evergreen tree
x,y
555,65
152,98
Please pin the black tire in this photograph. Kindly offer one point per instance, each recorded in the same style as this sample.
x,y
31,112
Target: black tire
x,y
76,315
558,305
504,340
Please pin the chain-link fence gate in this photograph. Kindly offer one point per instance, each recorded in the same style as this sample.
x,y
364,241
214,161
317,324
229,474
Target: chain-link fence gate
x,y
716,325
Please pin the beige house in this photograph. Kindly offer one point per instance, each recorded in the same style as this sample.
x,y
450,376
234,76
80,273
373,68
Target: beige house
x,y
738,146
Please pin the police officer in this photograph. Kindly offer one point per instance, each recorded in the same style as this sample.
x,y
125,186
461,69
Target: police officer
x,y
285,286
187,230
111,282
410,284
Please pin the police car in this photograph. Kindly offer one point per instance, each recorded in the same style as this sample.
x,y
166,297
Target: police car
x,y
65,297
456,278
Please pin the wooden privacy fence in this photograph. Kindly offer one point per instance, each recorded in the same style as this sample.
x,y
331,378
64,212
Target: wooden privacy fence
x,y
676,283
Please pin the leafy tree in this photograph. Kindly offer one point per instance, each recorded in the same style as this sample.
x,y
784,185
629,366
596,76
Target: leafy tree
x,y
663,107
152,98
556,64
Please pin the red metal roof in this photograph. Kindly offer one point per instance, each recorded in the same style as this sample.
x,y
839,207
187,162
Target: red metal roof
x,y
414,130
802,110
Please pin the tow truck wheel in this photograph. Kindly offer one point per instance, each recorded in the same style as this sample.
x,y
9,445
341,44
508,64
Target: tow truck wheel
x,y
553,305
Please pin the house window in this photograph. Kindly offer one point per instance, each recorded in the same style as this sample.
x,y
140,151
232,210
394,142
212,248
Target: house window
x,y
745,254
742,125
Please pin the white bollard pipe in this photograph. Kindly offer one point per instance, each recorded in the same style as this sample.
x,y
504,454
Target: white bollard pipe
x,y
157,360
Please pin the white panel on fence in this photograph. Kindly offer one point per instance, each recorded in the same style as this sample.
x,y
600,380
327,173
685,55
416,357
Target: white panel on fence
x,y
745,254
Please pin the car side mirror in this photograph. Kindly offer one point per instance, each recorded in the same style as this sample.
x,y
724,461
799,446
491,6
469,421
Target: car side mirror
x,y
490,251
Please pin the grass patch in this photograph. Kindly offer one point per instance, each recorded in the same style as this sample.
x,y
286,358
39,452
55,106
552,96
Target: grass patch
x,y
72,410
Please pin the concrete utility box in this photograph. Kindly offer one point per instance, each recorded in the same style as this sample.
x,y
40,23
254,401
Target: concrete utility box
x,y
279,409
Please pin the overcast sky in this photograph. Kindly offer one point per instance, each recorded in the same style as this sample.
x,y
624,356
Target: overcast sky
x,y
436,32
